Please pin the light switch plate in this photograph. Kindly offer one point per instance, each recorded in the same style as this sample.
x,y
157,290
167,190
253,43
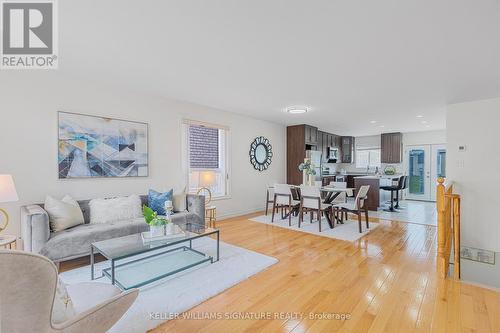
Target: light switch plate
x,y
479,255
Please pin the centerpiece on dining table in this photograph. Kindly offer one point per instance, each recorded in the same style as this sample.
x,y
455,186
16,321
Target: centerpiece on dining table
x,y
308,172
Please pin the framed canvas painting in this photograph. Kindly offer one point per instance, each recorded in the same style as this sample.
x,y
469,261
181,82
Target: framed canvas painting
x,y
90,147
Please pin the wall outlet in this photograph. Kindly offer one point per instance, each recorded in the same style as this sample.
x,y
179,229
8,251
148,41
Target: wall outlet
x,y
462,148
479,255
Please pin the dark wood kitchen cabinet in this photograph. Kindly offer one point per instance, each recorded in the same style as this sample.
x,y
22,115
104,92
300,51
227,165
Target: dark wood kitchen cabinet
x,y
347,149
391,148
311,135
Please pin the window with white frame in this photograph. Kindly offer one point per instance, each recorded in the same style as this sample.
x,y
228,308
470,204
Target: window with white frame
x,y
367,158
206,157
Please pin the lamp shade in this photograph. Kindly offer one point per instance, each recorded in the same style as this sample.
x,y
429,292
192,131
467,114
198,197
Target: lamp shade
x,y
8,191
206,178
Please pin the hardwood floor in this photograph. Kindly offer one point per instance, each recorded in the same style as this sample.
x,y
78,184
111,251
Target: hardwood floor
x,y
386,282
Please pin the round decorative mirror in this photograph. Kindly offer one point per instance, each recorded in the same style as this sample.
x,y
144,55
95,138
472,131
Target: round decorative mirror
x,y
261,153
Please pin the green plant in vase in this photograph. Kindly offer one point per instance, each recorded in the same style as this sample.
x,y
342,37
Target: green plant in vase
x,y
156,223
307,168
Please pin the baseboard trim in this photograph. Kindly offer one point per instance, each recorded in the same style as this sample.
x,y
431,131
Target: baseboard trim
x,y
480,285
239,213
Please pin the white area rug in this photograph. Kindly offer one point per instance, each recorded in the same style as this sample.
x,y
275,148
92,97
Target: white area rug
x,y
349,231
178,293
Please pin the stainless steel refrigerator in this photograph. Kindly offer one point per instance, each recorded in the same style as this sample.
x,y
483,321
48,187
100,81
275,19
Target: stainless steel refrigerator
x,y
315,157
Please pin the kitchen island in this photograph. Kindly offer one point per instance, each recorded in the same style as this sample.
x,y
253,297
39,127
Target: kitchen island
x,y
376,197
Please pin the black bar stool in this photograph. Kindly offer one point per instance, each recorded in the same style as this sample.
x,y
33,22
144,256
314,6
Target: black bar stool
x,y
393,188
405,186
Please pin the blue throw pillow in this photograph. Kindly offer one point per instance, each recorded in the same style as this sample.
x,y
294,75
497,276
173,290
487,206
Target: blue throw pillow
x,y
156,200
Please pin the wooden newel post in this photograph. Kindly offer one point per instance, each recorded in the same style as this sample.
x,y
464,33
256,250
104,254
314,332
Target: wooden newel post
x,y
456,235
441,221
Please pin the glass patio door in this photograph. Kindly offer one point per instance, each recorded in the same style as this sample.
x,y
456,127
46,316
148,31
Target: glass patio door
x,y
425,164
438,167
419,172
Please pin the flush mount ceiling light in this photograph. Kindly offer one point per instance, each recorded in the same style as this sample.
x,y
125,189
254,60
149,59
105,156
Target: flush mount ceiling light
x,y
296,110
373,121
420,116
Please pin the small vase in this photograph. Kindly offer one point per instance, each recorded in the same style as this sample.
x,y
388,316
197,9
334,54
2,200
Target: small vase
x,y
156,230
311,180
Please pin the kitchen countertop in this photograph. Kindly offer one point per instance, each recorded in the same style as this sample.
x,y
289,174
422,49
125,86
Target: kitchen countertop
x,y
344,174
380,176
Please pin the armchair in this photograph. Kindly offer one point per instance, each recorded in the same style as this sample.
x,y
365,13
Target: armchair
x,y
27,296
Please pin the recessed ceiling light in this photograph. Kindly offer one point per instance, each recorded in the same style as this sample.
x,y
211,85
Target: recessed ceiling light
x,y
381,126
424,122
428,126
296,110
373,121
420,116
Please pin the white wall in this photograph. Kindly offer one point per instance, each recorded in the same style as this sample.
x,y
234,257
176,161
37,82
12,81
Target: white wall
x,y
29,102
424,138
476,125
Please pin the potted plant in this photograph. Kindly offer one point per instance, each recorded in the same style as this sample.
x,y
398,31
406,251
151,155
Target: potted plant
x,y
307,169
157,225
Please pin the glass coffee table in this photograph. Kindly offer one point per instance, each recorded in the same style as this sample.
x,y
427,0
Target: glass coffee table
x,y
135,263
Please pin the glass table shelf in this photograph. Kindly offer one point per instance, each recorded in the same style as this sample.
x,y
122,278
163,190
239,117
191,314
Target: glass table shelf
x,y
135,262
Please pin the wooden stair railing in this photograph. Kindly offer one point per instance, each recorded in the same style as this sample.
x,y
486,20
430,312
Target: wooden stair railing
x,y
448,209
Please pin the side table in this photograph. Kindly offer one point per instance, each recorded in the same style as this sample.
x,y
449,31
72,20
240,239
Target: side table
x,y
7,240
211,216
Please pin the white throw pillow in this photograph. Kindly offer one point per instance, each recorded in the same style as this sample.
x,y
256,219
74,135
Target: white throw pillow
x,y
115,209
62,309
179,201
64,213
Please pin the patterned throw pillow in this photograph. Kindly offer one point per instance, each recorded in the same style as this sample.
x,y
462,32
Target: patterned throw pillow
x,y
156,200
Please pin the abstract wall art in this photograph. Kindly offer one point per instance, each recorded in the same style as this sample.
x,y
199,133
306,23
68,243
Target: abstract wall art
x,y
91,146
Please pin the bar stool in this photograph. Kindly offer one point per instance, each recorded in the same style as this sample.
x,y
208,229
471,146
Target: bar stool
x,y
405,186
393,188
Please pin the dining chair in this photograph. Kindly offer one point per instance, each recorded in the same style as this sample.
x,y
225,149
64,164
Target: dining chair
x,y
356,207
269,197
284,200
342,197
311,202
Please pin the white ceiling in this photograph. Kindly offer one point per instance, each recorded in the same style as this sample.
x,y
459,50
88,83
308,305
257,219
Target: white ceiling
x,y
348,61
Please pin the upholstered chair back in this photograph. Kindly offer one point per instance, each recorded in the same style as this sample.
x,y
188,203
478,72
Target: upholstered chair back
x,y
27,289
341,198
283,194
361,196
310,196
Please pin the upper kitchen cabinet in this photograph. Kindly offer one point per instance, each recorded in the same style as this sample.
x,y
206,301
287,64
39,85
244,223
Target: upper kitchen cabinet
x,y
392,148
347,149
311,135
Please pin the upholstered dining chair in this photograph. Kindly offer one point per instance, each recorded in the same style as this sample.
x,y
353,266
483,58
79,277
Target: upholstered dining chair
x,y
28,291
283,199
269,197
342,197
356,207
311,202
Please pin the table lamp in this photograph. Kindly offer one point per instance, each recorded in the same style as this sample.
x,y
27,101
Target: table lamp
x,y
206,179
7,194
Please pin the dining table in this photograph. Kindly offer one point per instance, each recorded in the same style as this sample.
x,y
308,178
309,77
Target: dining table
x,y
330,194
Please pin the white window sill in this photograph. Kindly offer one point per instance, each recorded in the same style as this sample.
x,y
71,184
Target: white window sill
x,y
222,197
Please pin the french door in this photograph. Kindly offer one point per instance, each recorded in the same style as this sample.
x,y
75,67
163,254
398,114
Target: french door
x,y
425,164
